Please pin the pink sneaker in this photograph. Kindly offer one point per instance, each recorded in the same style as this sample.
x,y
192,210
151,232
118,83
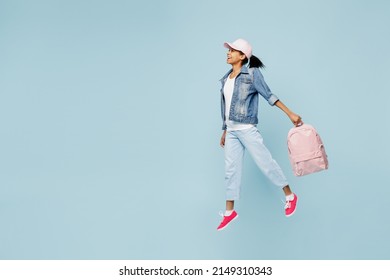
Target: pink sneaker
x,y
227,219
290,206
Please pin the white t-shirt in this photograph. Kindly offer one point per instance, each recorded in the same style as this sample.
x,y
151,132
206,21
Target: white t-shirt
x,y
228,93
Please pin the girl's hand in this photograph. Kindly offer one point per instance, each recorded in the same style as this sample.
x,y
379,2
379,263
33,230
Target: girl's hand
x,y
222,142
296,119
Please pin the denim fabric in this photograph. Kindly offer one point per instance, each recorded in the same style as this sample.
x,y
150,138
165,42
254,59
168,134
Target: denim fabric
x,y
244,107
235,144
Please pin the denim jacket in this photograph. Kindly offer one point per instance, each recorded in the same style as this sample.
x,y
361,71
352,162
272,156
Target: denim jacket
x,y
245,99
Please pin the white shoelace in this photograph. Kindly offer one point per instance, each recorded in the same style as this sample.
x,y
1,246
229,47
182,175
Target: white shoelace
x,y
287,203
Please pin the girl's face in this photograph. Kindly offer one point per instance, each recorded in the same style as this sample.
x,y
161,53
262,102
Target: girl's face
x,y
234,57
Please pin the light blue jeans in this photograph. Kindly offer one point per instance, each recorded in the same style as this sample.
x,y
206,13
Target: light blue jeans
x,y
235,144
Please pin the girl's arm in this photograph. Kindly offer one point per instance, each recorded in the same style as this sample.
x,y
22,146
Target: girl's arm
x,y
296,119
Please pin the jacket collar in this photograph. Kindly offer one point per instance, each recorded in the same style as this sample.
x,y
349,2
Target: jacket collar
x,y
244,70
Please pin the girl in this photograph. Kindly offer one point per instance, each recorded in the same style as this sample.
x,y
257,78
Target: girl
x,y
239,107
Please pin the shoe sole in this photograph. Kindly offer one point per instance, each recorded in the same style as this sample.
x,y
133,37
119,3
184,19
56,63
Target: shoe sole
x,y
228,223
290,214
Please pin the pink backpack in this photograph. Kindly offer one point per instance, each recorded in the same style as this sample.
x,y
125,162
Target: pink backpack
x,y
306,150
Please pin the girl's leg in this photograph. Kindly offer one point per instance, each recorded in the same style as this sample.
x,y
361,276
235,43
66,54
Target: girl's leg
x,y
287,190
229,205
253,142
234,154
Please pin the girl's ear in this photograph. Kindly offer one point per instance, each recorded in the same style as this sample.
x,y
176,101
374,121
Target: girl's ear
x,y
242,57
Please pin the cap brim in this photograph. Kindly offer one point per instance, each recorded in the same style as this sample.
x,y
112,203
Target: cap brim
x,y
229,46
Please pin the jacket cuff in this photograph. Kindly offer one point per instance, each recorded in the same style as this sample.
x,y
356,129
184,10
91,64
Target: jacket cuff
x,y
272,99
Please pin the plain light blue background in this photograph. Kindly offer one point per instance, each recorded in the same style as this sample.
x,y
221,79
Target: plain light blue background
x,y
110,129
